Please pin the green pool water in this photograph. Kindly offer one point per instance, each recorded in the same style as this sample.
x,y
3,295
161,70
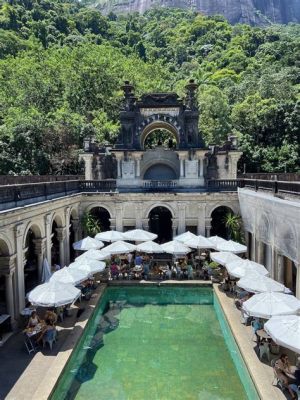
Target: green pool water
x,y
156,343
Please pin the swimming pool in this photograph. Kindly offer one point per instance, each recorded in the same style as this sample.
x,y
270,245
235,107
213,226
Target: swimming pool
x,y
156,343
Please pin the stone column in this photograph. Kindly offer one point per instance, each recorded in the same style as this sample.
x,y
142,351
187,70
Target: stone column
x,y
19,232
181,167
9,293
67,239
247,244
119,168
7,268
253,248
138,215
207,226
88,164
234,157
39,250
61,235
48,229
260,252
138,167
119,217
298,281
201,220
280,268
181,217
174,226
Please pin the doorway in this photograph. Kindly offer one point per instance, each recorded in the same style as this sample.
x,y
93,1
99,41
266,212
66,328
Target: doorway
x,y
160,222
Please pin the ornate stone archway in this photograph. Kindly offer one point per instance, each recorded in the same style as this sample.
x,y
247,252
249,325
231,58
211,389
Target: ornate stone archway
x,y
159,111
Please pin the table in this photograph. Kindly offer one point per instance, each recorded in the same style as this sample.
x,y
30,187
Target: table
x,y
30,336
137,268
263,334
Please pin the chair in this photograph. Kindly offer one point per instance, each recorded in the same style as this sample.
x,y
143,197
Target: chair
x,y
49,337
264,348
276,379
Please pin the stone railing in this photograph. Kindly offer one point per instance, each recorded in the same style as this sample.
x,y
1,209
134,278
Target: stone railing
x,y
159,185
107,185
23,179
12,196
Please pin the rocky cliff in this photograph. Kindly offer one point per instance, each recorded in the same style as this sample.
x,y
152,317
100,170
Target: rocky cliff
x,y
254,12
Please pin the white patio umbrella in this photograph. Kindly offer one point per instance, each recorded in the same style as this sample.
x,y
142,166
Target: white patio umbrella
x,y
90,267
254,282
69,275
199,242
224,257
268,304
92,255
241,267
46,271
233,247
87,243
109,236
119,247
185,236
285,331
150,247
216,240
176,248
53,294
139,235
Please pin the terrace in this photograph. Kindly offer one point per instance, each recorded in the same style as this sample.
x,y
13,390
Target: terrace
x,y
20,194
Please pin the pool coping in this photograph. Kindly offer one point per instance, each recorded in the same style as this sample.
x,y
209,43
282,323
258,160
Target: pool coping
x,y
256,368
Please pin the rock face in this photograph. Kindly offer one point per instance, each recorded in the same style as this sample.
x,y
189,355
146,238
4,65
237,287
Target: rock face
x,y
254,12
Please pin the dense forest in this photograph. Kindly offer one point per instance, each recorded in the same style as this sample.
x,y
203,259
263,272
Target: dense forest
x,y
62,65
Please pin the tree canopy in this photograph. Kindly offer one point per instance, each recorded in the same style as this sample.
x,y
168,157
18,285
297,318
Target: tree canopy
x,y
62,65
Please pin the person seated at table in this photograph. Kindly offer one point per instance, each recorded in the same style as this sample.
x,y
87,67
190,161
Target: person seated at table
x,y
167,271
129,258
190,271
114,270
155,269
33,320
146,270
284,372
243,296
138,259
256,326
51,316
178,271
47,327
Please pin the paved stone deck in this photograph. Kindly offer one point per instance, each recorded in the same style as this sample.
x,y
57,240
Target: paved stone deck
x,y
39,373
260,371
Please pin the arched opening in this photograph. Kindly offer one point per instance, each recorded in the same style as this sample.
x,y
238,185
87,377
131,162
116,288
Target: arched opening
x,y
102,216
160,222
160,138
160,172
31,274
159,133
4,252
218,223
290,274
55,245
